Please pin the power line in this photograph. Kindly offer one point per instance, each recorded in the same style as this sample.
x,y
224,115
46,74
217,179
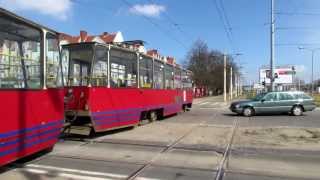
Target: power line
x,y
297,13
297,44
173,22
164,31
225,17
225,26
297,28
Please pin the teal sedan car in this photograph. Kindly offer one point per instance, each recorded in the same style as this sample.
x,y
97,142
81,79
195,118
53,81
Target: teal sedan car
x,y
294,103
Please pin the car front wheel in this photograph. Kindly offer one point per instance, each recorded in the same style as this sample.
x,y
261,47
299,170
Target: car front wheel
x,y
248,111
297,111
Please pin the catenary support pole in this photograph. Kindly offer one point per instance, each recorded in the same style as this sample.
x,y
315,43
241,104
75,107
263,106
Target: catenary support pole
x,y
225,77
272,47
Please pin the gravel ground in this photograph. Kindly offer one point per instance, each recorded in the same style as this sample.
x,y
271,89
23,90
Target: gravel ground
x,y
279,138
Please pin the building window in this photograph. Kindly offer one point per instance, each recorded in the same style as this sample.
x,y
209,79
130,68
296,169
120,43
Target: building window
x,y
158,75
100,67
145,72
123,68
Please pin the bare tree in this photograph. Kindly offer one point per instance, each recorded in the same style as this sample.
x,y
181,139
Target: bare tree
x,y
207,66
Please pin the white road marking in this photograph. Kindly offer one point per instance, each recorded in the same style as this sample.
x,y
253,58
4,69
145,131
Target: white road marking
x,y
77,176
93,173
65,175
198,102
211,108
36,171
144,178
215,103
203,103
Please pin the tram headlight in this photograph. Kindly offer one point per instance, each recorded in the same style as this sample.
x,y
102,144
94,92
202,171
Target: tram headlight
x,y
70,91
86,107
82,94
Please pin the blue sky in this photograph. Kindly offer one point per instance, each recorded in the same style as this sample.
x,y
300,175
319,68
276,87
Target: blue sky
x,y
248,19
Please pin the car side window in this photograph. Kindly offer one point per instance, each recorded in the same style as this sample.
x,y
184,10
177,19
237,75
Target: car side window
x,y
285,97
270,97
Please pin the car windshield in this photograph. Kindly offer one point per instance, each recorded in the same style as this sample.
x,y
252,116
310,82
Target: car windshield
x,y
259,97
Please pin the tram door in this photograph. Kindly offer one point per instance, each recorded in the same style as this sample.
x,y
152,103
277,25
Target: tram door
x,y
79,72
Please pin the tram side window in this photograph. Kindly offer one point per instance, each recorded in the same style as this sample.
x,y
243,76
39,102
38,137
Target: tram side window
x,y
19,55
65,65
169,75
177,78
158,75
100,67
186,80
145,72
123,69
53,76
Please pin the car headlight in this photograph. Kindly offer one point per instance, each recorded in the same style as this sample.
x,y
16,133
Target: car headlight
x,y
237,106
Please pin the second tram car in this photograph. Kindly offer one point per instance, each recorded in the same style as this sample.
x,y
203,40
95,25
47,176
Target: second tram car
x,y
111,87
31,88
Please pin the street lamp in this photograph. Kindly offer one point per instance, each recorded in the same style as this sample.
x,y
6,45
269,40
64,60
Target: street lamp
x,y
312,57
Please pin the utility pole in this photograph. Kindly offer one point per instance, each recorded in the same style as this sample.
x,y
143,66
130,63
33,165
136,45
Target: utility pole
x,y
231,84
236,84
312,64
312,81
272,47
224,77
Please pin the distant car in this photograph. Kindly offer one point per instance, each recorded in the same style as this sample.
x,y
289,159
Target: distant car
x,y
294,103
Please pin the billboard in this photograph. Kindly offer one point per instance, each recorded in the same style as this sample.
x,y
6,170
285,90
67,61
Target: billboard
x,y
285,75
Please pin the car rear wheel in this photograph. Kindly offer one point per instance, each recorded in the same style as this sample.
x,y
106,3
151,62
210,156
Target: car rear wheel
x,y
297,111
248,111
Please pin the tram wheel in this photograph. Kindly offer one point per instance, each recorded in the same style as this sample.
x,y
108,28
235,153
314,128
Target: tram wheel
x,y
153,116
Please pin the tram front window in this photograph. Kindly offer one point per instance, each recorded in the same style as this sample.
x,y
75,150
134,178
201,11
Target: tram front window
x,y
53,76
19,55
80,63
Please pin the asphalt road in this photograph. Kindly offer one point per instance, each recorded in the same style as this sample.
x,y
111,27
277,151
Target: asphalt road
x,y
189,145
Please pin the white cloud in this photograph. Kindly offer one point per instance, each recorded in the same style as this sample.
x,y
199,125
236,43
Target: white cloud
x,y
59,9
150,10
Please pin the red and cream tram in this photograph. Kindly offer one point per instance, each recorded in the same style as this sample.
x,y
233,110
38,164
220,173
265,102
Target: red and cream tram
x,y
31,91
111,87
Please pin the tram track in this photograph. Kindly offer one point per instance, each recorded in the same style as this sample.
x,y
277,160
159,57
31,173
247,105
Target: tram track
x,y
171,146
225,159
145,165
135,174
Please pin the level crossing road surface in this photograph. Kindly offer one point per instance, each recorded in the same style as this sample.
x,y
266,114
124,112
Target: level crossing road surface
x,y
190,145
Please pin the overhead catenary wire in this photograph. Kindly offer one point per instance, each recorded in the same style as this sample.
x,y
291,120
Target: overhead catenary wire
x,y
173,23
227,28
159,27
297,13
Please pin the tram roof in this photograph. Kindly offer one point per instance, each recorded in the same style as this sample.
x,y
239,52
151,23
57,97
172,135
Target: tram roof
x,y
121,48
27,21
